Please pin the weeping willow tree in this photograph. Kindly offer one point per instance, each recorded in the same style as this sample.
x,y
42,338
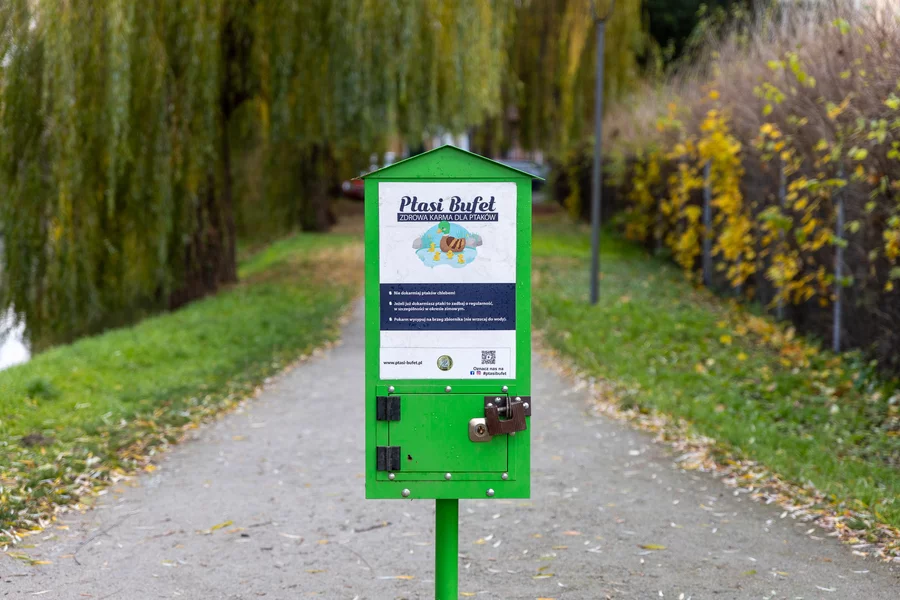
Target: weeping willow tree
x,y
552,66
347,75
124,127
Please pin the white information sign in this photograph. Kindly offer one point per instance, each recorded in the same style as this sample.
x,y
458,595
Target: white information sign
x,y
447,280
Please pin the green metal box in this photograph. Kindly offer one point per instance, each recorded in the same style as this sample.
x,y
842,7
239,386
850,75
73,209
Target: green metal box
x,y
448,328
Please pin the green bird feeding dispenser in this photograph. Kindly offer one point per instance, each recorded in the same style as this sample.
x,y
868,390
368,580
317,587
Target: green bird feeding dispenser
x,y
448,337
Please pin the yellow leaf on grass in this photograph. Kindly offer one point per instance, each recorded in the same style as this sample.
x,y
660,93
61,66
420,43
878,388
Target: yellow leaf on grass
x,y
741,356
725,339
652,547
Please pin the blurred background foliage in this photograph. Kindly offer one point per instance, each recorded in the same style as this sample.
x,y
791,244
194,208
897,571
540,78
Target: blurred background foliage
x,y
141,142
794,106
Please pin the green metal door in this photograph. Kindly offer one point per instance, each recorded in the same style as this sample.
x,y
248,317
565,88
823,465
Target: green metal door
x,y
433,436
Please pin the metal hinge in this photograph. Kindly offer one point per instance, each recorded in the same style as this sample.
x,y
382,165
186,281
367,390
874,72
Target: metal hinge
x,y
387,458
387,408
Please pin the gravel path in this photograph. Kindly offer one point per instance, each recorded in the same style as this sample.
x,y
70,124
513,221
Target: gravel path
x,y
285,475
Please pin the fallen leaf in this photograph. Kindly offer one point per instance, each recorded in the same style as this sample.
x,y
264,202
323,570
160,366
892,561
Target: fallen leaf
x,y
221,525
652,547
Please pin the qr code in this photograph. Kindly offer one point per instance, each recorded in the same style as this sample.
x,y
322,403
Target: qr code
x,y
489,357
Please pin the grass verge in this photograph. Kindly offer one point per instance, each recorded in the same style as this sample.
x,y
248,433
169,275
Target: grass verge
x,y
79,416
762,393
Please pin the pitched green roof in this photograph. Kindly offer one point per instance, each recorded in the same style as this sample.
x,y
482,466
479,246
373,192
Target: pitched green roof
x,y
447,161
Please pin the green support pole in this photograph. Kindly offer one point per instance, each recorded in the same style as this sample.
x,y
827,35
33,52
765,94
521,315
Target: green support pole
x,y
446,555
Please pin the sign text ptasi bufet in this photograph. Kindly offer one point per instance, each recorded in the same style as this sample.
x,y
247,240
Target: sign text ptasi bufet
x,y
448,334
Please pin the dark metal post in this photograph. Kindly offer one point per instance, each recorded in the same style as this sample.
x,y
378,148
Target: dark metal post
x,y
782,200
707,225
597,179
838,269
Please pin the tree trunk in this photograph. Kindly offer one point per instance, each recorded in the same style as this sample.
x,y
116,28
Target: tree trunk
x,y
204,254
228,258
315,211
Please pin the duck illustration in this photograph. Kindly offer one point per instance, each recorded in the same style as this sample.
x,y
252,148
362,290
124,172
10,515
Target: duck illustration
x,y
449,244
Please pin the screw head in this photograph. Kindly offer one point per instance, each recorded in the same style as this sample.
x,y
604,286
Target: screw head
x,y
405,493
448,476
526,406
489,405
391,389
449,388
490,493
505,476
518,398
391,476
512,433
480,430
505,388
